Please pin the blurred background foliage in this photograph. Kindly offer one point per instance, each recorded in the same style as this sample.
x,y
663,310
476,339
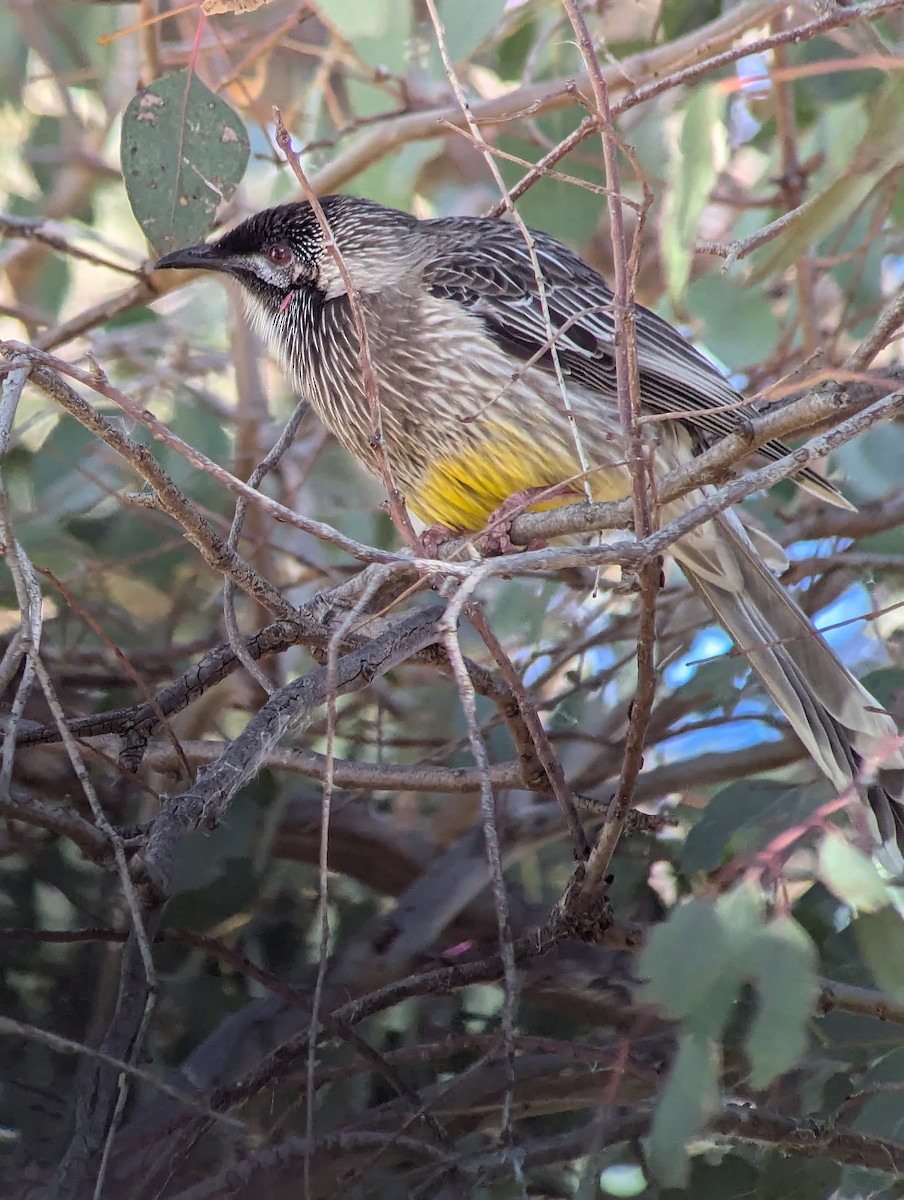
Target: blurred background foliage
x,y
753,1047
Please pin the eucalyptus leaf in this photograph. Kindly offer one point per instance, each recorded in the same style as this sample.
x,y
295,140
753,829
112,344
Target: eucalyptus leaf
x,y
782,960
184,152
730,1176
742,816
693,170
881,939
876,155
883,1113
787,1177
851,874
737,324
684,959
468,23
690,1096
680,16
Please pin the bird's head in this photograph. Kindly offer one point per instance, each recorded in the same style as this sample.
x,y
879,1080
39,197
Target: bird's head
x,y
271,254
283,251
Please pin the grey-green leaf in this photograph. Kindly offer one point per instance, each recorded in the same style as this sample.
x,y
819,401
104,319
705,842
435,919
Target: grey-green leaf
x,y
183,153
783,966
851,875
693,171
690,1096
881,939
685,958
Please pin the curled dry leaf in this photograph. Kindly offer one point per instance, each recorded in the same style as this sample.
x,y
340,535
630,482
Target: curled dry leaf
x,y
212,8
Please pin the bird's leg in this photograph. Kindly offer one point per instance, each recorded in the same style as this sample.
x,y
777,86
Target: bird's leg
x,y
495,538
429,542
433,537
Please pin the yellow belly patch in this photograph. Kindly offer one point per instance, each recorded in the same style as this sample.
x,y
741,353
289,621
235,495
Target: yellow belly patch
x,y
461,490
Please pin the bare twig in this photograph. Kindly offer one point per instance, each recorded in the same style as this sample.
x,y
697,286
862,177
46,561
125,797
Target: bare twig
x,y
40,230
205,803
229,588
368,375
139,458
61,1045
637,458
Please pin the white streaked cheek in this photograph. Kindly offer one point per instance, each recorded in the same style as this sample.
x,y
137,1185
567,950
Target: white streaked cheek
x,y
278,277
258,316
274,330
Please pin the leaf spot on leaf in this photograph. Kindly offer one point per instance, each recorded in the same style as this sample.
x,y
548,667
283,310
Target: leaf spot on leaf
x,y
207,183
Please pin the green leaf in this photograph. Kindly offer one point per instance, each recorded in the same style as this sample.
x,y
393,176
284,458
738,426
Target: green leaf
x,y
827,88
393,179
684,959
883,1113
468,24
850,875
693,170
886,684
875,155
562,209
742,817
783,965
742,910
715,682
13,55
183,153
858,1181
46,137
873,461
739,327
225,848
881,938
359,18
380,30
731,1176
788,1178
690,1096
683,16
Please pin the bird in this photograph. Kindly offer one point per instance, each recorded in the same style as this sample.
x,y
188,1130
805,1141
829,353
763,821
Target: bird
x,y
492,386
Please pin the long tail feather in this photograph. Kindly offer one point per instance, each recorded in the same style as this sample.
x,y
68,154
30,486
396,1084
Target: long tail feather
x,y
836,718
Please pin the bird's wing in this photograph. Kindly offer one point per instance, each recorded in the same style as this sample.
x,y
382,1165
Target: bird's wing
x,y
490,273
493,277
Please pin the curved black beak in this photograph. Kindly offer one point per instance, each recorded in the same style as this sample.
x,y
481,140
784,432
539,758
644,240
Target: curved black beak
x,y
194,258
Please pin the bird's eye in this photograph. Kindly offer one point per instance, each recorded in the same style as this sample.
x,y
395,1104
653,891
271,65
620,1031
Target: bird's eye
x,y
280,254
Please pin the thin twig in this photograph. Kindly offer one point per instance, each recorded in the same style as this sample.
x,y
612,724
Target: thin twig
x,y
139,457
215,787
38,229
551,765
494,858
61,1045
229,588
368,375
638,462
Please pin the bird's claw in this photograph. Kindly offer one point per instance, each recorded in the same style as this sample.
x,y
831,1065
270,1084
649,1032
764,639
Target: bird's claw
x,y
432,538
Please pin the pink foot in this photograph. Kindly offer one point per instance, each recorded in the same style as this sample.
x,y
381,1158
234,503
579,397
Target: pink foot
x,y
432,538
495,540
